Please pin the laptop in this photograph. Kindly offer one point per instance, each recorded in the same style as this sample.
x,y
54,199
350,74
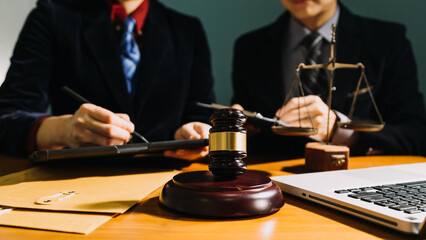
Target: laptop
x,y
393,196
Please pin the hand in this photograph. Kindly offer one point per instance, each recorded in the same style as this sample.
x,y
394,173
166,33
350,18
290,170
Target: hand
x,y
94,125
192,130
237,106
90,125
318,111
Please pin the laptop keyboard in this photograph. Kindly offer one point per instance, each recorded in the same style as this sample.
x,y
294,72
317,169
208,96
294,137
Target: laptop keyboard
x,y
409,197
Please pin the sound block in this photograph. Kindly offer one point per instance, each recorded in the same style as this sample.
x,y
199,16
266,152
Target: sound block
x,y
325,157
202,193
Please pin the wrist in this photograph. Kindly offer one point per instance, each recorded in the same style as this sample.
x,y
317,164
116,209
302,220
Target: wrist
x,y
54,132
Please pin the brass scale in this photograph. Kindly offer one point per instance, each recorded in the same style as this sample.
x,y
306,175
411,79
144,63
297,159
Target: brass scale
x,y
331,66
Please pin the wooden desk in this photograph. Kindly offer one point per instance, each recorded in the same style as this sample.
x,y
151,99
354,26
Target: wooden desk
x,y
298,219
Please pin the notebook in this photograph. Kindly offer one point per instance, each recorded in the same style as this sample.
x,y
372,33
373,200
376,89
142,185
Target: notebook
x,y
393,196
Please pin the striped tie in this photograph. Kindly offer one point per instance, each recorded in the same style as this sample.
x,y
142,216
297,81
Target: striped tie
x,y
314,81
130,54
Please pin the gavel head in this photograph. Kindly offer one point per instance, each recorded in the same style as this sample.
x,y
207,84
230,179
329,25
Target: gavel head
x,y
227,143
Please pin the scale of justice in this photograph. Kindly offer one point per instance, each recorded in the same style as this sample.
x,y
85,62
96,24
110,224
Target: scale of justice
x,y
227,190
323,156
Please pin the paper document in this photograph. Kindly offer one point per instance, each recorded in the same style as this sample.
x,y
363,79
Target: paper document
x,y
90,194
54,221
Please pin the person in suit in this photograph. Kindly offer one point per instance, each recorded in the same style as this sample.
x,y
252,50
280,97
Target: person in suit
x,y
82,45
264,66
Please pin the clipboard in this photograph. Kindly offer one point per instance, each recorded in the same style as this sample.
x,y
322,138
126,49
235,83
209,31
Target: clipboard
x,y
116,150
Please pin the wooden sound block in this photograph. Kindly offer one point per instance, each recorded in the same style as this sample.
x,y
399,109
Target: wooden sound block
x,y
325,157
202,193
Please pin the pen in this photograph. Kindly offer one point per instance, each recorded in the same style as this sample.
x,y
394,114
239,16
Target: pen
x,y
247,113
83,100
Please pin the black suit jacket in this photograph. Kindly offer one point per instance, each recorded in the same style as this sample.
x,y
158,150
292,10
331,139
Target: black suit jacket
x,y
73,43
390,69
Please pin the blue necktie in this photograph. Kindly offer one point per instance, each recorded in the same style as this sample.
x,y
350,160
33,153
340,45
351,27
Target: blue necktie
x,y
130,54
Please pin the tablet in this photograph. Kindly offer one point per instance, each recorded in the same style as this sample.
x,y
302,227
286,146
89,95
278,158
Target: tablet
x,y
117,150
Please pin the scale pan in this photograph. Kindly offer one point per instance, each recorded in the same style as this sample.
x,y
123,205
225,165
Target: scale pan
x,y
362,126
294,131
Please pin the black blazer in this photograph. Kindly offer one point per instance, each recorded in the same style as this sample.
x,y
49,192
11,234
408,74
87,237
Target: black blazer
x,y
73,43
390,68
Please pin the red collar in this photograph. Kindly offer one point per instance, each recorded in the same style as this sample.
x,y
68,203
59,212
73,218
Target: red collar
x,y
118,14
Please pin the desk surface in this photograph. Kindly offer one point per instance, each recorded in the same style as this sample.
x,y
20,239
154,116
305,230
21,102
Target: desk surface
x,y
298,219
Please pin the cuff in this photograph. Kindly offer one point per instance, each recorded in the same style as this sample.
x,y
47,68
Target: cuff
x,y
342,136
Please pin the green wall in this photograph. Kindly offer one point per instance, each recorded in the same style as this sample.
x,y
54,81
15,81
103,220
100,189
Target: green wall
x,y
225,20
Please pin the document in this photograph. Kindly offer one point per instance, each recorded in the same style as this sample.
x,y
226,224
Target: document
x,y
89,193
55,221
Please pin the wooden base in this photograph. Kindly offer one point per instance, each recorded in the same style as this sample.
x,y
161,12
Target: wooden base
x,y
325,157
202,193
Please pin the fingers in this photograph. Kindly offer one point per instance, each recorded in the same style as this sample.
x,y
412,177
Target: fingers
x,y
302,107
93,125
187,132
102,129
105,116
85,138
123,116
188,154
237,106
202,129
298,102
192,130
299,112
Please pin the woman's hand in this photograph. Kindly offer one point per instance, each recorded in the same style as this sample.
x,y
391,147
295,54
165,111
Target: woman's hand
x,y
192,130
90,125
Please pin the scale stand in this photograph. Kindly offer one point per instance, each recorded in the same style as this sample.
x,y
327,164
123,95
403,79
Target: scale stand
x,y
324,156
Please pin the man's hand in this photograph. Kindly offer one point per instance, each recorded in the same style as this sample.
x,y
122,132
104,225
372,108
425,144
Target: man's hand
x,y
237,106
90,125
318,111
192,130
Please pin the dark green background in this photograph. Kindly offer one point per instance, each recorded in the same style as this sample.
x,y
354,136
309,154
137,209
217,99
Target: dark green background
x,y
225,20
